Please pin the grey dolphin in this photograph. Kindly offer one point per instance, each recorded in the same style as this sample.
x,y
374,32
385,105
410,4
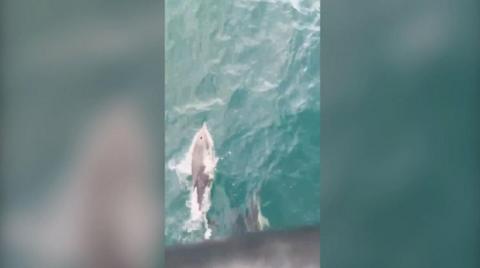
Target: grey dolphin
x,y
251,219
203,160
254,219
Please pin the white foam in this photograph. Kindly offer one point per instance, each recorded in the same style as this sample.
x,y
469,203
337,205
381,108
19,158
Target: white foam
x,y
198,216
199,106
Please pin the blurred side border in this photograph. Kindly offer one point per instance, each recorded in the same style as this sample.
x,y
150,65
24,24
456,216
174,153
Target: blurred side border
x,y
400,96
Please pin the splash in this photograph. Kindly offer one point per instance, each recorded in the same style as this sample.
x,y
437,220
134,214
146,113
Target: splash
x,y
198,216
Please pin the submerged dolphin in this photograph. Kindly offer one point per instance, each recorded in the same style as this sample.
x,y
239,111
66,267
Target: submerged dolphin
x,y
254,219
203,162
251,219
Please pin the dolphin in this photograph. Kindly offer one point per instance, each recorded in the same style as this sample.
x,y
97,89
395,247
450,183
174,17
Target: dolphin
x,y
254,219
251,219
203,162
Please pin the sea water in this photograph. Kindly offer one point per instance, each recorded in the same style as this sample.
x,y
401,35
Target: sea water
x,y
250,70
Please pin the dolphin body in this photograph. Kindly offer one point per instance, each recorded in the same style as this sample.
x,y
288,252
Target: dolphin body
x,y
254,219
251,219
203,163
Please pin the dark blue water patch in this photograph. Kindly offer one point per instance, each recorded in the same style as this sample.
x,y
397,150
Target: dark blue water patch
x,y
200,118
256,16
235,188
294,183
207,88
237,99
284,169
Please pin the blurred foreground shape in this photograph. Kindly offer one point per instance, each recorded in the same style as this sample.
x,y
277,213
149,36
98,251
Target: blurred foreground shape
x,y
298,248
104,212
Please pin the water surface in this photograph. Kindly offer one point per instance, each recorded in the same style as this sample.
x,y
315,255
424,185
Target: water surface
x,y
250,70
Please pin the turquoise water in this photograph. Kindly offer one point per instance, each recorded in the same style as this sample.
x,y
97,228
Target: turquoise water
x,y
250,70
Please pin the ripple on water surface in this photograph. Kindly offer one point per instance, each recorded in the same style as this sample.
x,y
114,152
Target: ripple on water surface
x,y
249,69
